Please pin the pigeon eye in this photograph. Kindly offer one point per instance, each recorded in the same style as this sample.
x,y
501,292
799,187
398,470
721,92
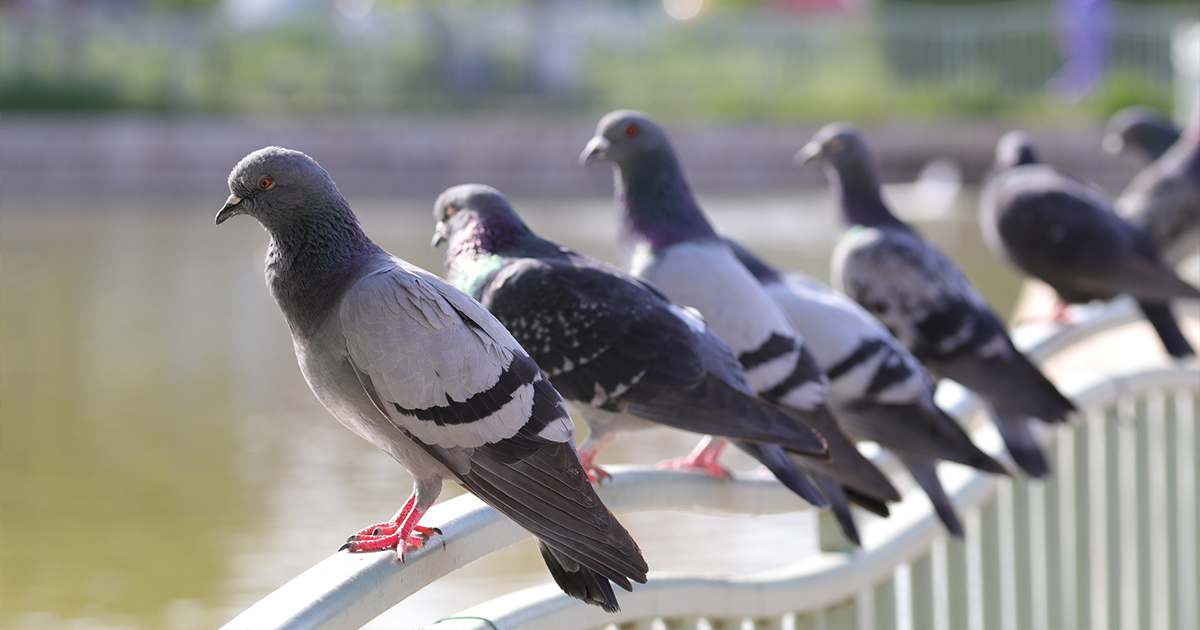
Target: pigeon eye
x,y
450,211
631,130
837,144
266,183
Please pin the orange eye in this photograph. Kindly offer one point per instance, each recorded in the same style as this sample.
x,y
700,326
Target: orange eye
x,y
450,210
631,130
266,183
837,144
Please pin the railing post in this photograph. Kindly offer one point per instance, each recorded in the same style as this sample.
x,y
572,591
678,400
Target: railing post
x,y
1186,447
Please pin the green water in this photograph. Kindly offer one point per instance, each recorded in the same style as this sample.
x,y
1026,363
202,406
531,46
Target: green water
x,y
163,464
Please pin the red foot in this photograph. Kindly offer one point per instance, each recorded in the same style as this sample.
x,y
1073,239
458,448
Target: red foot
x,y
587,458
1058,315
416,540
390,534
387,528
596,474
703,459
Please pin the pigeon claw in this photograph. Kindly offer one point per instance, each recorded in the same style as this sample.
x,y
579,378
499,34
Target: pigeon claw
x,y
420,535
596,474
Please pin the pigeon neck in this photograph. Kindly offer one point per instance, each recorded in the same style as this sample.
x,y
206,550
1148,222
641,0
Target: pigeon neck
x,y
311,261
478,249
656,203
857,191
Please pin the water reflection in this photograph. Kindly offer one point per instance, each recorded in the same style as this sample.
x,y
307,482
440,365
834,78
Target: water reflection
x,y
164,464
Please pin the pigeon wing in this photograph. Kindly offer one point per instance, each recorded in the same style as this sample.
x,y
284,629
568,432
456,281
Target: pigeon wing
x,y
609,341
444,369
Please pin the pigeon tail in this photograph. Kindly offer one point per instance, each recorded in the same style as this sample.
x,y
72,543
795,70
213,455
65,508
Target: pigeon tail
x,y
840,504
845,464
780,465
579,581
717,408
1022,445
925,472
917,430
1160,316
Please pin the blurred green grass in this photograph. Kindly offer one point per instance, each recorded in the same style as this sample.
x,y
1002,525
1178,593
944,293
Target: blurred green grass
x,y
901,61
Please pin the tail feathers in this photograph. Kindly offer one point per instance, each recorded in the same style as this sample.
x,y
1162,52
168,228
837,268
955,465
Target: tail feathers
x,y
919,430
1160,316
925,472
780,465
840,504
872,505
846,464
1022,445
715,407
577,580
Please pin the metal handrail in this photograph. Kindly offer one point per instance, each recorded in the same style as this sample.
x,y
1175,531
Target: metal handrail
x,y
348,590
814,583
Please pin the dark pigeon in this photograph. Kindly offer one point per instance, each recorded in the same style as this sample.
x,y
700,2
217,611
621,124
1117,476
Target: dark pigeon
x,y
1139,129
1066,234
1164,198
876,386
418,368
666,239
926,302
614,346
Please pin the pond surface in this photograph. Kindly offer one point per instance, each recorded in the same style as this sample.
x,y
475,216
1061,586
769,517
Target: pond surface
x,y
165,465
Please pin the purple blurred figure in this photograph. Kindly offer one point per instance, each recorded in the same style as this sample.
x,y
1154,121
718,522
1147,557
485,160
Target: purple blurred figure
x,y
1083,42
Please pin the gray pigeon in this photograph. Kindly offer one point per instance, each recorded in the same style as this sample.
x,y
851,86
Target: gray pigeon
x,y
1066,233
876,386
1164,198
418,368
667,240
926,302
624,355
1139,129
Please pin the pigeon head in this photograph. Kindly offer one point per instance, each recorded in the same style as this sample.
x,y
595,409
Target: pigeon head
x,y
479,214
1141,129
853,173
625,137
652,194
841,145
282,188
1015,148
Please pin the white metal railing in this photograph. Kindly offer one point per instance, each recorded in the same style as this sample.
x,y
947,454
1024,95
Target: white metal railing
x,y
1109,540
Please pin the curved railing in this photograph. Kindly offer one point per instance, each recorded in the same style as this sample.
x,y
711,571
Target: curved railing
x,y
1110,540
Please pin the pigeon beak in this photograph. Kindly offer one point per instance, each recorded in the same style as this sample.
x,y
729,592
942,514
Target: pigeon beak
x,y
810,152
596,149
1113,143
232,208
439,235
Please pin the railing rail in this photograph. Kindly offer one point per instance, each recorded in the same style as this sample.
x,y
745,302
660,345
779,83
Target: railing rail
x,y
1110,540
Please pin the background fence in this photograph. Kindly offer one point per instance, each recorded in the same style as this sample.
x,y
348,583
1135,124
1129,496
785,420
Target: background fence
x,y
567,55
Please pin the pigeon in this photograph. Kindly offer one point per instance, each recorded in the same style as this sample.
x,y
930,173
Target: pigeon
x,y
1066,234
667,240
1164,197
421,370
876,386
613,345
926,302
1139,129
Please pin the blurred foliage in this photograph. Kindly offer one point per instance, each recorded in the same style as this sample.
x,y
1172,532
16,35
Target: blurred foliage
x,y
740,59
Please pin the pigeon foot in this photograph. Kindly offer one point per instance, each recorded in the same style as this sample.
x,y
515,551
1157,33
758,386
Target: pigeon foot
x,y
386,528
703,459
596,474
